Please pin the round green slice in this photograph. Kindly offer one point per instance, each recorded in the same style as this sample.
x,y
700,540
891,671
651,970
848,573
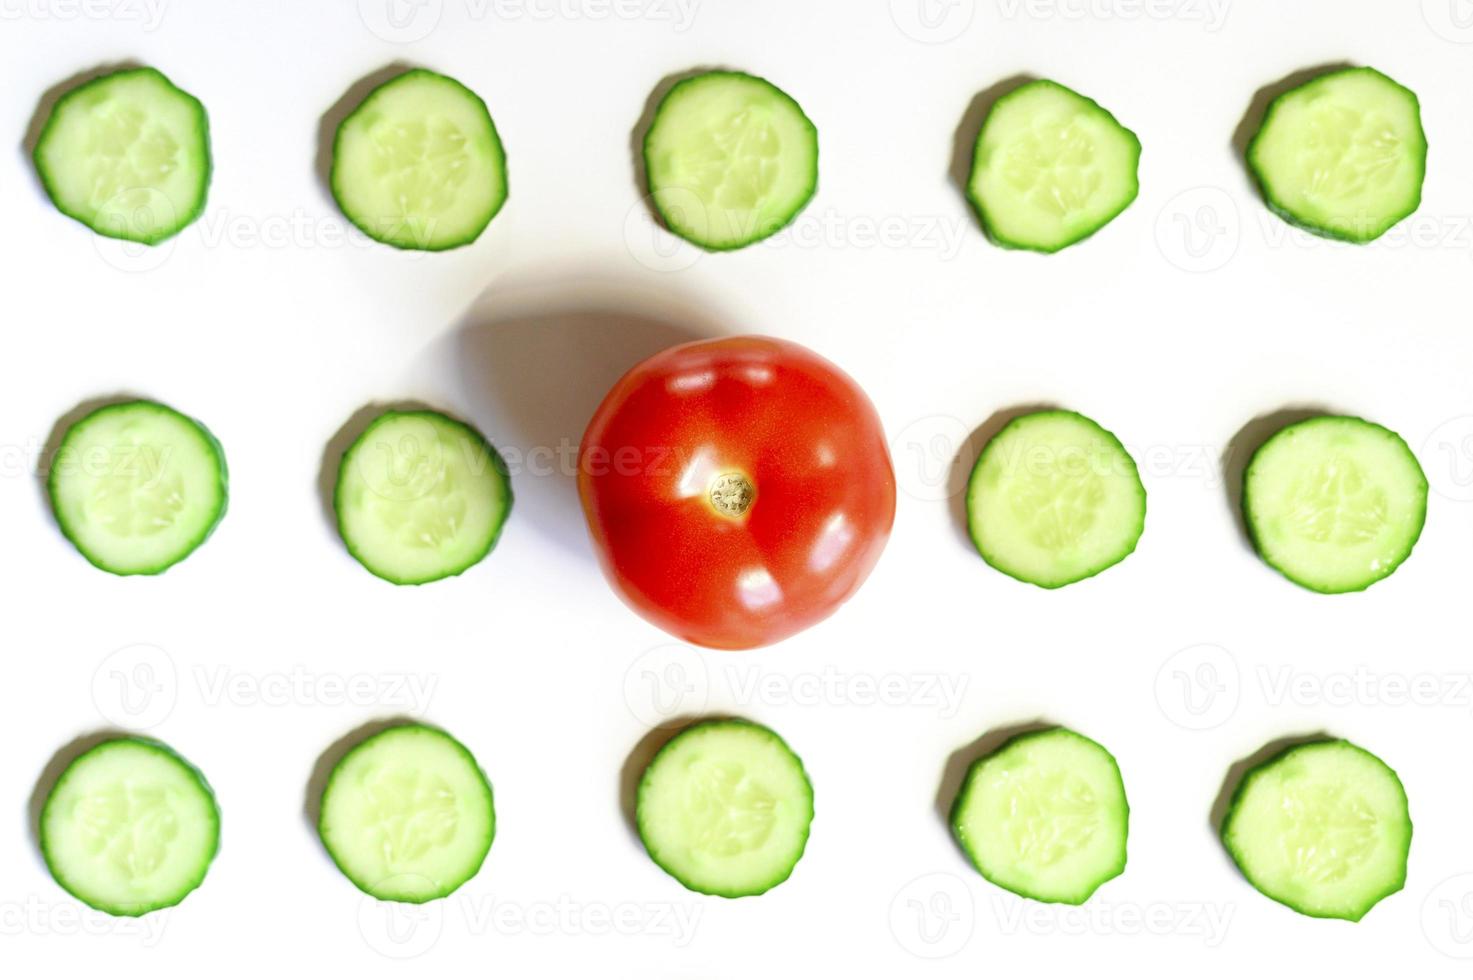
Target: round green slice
x,y
137,487
1054,499
1045,816
1334,503
421,497
1322,828
1342,155
1050,168
128,155
419,165
130,827
407,814
730,158
725,807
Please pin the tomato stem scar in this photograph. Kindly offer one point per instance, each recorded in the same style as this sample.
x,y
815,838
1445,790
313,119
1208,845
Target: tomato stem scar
x,y
732,494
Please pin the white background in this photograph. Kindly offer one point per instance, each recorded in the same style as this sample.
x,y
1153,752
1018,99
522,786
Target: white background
x,y
1189,316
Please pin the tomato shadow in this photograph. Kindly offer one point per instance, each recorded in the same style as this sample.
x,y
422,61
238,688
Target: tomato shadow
x,y
1240,449
964,139
960,762
1239,771
52,772
1252,120
534,364
966,459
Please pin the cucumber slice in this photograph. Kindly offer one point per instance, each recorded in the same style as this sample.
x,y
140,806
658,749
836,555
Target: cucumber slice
x,y
1322,828
1051,168
724,808
127,155
1054,499
1334,503
137,487
407,814
1045,816
421,497
1342,155
419,165
130,827
730,158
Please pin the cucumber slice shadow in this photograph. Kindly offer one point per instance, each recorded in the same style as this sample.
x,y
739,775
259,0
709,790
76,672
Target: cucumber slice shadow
x,y
328,123
1252,120
47,104
1239,771
960,472
1241,448
328,761
58,435
55,767
964,139
959,763
642,127
631,773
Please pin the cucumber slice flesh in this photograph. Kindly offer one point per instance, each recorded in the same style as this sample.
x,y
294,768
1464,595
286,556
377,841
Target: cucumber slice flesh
x,y
1054,499
130,827
421,497
419,164
1051,168
137,487
1342,155
1323,828
725,808
1045,816
730,158
128,155
407,814
1334,503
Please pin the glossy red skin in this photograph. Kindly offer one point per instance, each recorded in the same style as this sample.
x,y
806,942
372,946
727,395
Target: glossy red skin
x,y
798,427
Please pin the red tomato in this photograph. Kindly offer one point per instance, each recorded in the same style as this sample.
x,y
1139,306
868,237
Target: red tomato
x,y
737,490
